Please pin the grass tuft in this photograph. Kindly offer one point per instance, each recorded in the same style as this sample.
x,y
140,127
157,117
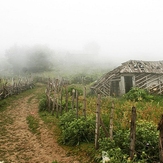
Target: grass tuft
x,y
33,124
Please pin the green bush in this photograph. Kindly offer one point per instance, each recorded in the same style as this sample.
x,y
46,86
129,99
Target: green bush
x,y
146,144
43,103
75,131
137,94
147,138
67,117
76,88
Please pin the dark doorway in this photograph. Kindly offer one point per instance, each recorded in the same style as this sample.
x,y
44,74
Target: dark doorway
x,y
114,91
128,83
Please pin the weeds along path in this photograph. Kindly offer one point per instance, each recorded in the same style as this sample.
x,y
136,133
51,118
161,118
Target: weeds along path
x,y
18,144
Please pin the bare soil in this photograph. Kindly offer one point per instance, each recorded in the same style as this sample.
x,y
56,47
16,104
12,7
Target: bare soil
x,y
19,145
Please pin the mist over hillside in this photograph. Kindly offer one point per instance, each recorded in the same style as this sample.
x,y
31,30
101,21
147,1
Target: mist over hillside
x,y
20,60
71,37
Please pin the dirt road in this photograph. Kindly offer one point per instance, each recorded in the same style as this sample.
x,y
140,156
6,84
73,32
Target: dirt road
x,y
19,145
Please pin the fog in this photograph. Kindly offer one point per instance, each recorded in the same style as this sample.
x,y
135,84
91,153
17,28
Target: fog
x,y
73,33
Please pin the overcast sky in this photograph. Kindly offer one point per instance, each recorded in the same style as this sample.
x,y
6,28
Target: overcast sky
x,y
122,29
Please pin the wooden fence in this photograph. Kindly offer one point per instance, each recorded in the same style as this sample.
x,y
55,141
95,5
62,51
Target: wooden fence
x,y
12,86
54,93
55,96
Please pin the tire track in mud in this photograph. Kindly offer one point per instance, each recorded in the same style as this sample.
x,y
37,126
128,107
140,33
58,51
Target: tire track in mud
x,y
19,145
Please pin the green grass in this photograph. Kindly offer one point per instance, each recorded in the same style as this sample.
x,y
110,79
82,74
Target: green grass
x,y
3,104
55,161
33,124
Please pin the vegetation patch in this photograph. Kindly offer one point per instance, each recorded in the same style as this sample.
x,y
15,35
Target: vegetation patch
x,y
42,103
77,131
146,144
33,124
137,94
3,104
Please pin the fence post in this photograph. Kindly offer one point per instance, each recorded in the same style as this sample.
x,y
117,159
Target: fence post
x,y
48,98
84,102
97,130
77,104
48,95
111,121
104,128
160,128
61,101
57,109
53,106
73,98
133,133
66,98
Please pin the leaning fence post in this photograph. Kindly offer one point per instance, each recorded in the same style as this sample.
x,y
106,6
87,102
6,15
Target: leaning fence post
x,y
133,133
111,121
104,128
160,128
97,130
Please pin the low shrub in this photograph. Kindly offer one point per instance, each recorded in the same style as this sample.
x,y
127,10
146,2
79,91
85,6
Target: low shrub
x,y
43,103
76,88
75,131
146,144
67,117
137,94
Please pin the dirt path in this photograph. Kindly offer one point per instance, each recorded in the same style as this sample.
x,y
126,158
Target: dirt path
x,y
19,145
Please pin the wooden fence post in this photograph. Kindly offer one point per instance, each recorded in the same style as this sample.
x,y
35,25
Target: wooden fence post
x,y
66,91
61,101
97,130
133,133
73,98
48,95
104,128
111,121
77,104
48,98
53,106
84,102
160,128
57,107
57,90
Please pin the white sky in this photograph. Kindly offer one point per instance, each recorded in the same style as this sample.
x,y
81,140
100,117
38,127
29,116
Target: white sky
x,y
124,29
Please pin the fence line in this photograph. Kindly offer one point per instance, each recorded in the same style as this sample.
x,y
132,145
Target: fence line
x,y
14,86
60,87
